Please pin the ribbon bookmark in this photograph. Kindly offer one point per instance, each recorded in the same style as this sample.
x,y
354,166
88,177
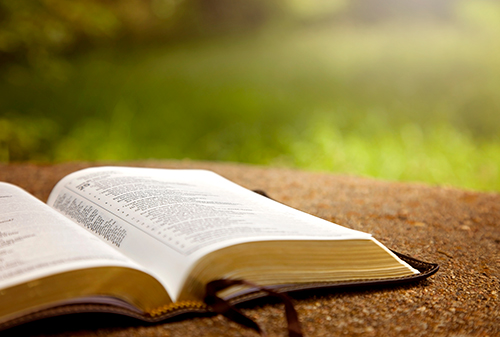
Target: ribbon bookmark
x,y
223,307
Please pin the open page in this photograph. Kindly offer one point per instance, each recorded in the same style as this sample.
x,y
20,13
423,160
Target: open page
x,y
167,219
36,241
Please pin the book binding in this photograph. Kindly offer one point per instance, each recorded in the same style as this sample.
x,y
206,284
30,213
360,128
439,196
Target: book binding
x,y
194,308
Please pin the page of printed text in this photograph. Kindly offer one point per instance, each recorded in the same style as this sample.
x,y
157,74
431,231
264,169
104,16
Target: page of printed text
x,y
167,219
36,241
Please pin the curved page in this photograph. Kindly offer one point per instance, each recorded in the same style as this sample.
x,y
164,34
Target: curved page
x,y
167,219
36,241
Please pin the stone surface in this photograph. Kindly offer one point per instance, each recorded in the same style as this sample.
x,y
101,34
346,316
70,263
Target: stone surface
x,y
458,229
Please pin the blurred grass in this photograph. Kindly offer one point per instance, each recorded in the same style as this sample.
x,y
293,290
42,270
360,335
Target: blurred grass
x,y
412,102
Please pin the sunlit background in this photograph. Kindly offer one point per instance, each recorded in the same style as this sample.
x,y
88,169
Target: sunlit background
x,y
404,90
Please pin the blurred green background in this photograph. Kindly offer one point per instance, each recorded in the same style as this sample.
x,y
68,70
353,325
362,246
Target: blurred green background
x,y
404,90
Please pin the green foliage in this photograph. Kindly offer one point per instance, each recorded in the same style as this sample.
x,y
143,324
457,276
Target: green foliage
x,y
39,33
26,138
38,30
412,102
439,155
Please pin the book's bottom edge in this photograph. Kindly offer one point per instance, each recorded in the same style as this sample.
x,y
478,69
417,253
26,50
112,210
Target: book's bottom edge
x,y
195,309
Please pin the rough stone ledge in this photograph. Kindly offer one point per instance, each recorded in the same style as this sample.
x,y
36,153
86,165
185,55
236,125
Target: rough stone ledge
x,y
458,229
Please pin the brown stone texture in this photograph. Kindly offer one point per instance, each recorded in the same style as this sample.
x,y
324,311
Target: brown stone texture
x,y
458,229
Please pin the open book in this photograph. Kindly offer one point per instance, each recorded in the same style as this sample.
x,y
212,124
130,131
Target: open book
x,y
145,242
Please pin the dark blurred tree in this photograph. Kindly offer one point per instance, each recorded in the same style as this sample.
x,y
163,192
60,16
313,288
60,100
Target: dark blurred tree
x,y
37,32
34,31
229,16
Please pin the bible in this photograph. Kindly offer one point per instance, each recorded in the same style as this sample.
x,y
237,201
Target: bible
x,y
145,243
